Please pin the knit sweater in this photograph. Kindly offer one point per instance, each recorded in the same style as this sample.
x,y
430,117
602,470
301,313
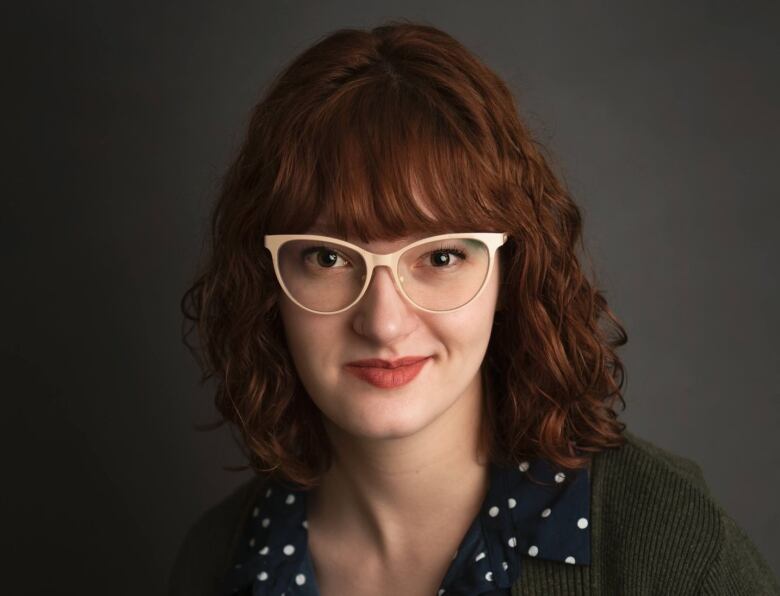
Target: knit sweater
x,y
655,529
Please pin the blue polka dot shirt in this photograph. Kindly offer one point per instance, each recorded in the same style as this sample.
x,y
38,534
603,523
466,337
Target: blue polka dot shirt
x,y
546,519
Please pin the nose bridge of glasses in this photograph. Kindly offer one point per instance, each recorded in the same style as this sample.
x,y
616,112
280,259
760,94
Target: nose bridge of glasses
x,y
380,261
386,260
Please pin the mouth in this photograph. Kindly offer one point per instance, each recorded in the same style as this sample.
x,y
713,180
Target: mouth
x,y
380,363
388,377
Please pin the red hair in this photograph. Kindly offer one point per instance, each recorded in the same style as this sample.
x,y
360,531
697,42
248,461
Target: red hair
x,y
361,126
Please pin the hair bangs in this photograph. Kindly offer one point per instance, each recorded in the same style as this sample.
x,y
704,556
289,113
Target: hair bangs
x,y
385,163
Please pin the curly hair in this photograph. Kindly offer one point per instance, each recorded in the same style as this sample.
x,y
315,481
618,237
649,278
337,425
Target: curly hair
x,y
357,126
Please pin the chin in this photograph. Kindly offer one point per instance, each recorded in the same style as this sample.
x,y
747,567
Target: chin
x,y
387,423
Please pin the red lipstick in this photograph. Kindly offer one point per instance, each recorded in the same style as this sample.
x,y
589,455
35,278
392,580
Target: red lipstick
x,y
388,374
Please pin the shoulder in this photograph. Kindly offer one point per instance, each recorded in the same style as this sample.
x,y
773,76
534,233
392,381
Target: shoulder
x,y
639,462
655,518
208,544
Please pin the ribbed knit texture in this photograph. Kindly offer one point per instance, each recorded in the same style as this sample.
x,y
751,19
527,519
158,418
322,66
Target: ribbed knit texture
x,y
655,529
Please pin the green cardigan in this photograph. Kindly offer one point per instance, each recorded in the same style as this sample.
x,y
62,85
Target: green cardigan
x,y
655,529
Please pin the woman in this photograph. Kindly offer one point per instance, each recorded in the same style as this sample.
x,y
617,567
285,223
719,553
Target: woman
x,y
423,377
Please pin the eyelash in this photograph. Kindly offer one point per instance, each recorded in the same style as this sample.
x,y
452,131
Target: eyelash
x,y
317,248
449,249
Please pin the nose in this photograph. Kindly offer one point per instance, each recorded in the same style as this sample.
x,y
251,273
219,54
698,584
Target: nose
x,y
383,312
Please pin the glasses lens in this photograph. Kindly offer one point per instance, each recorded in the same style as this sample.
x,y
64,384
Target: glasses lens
x,y
438,275
444,274
322,276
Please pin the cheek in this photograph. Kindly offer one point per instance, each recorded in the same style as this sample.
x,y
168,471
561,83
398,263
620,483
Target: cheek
x,y
299,331
476,319
311,340
468,333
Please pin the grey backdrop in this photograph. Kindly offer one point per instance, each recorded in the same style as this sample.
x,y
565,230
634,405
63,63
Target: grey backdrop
x,y
120,118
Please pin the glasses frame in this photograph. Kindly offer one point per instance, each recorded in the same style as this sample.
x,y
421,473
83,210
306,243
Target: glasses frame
x,y
493,241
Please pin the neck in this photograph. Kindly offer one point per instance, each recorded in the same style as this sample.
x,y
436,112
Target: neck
x,y
385,494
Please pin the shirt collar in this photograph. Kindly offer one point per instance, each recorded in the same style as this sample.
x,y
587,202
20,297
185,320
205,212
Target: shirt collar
x,y
530,510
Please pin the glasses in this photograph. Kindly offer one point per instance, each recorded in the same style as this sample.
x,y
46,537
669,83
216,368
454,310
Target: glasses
x,y
326,275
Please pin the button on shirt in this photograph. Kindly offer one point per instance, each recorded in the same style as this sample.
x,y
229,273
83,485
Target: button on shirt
x,y
518,518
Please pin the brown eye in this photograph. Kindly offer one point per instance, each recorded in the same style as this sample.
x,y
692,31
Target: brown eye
x,y
443,257
326,257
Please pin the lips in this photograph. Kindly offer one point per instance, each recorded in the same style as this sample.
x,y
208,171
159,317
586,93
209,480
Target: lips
x,y
379,363
387,378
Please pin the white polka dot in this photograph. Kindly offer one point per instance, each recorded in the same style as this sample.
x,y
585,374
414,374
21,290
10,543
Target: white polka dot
x,y
263,551
523,467
238,565
582,523
305,524
546,512
440,592
479,556
300,579
252,543
533,551
560,477
268,493
265,522
570,560
493,511
288,549
489,576
262,576
512,542
512,503
505,565
255,511
290,499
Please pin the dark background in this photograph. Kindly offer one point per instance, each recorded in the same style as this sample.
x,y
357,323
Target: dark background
x,y
120,119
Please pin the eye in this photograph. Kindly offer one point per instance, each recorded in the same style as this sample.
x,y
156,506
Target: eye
x,y
325,256
443,256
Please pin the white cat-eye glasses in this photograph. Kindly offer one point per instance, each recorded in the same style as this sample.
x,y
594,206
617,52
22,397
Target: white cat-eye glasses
x,y
327,275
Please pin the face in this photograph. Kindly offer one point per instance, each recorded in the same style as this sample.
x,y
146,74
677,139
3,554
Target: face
x,y
383,324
